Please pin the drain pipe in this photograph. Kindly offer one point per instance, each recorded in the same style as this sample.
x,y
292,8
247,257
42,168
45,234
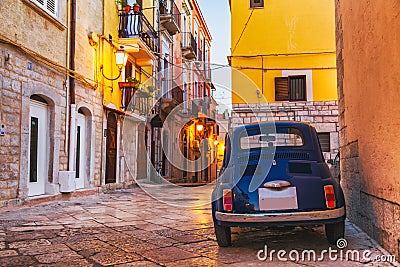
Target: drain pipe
x,y
72,135
67,178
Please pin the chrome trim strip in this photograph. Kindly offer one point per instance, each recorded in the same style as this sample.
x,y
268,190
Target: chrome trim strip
x,y
280,217
277,184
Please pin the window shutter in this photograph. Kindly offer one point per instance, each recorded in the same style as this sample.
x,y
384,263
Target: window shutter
x,y
281,88
256,3
50,6
325,141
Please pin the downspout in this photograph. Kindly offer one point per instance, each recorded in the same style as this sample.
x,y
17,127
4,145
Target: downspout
x,y
66,85
262,74
72,136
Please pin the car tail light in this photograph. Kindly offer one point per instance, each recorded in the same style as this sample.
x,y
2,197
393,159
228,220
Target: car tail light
x,y
227,199
330,196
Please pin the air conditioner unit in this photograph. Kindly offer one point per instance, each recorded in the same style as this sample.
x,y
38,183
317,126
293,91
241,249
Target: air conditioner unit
x,y
67,181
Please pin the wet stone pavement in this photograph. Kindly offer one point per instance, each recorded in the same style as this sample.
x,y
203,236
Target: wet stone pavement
x,y
130,228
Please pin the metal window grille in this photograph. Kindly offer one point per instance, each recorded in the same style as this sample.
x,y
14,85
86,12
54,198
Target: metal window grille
x,y
292,88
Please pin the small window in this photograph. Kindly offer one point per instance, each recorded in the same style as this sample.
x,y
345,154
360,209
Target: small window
x,y
256,3
78,152
33,157
50,6
292,88
325,141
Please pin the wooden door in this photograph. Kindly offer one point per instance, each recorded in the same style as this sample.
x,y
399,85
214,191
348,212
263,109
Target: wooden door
x,y
111,149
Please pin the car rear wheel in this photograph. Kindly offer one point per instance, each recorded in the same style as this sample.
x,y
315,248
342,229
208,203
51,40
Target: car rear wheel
x,y
223,234
334,232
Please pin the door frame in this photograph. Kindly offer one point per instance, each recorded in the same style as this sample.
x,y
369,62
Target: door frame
x,y
82,122
43,149
108,180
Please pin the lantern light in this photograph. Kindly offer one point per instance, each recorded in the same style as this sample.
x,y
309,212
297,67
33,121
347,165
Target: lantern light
x,y
121,57
199,127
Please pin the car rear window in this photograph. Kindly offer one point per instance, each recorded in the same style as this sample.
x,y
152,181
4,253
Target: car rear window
x,y
260,138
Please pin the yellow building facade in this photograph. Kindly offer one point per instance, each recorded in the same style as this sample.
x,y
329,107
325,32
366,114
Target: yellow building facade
x,y
284,56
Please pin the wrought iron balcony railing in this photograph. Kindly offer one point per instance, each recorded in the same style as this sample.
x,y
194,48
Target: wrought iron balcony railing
x,y
189,45
200,56
136,25
207,71
170,16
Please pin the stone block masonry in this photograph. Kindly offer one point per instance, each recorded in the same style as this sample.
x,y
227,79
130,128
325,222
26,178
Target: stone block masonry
x,y
17,84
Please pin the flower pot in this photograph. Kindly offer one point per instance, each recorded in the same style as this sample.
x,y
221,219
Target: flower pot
x,y
127,84
127,8
136,9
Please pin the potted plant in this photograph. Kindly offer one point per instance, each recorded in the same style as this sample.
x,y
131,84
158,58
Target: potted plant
x,y
136,8
123,5
130,82
150,88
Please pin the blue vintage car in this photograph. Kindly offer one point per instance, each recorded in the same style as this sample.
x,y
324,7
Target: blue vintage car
x,y
274,174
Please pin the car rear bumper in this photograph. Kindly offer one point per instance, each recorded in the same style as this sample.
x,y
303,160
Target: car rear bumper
x,y
283,217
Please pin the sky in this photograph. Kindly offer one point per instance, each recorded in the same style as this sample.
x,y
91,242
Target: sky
x,y
217,15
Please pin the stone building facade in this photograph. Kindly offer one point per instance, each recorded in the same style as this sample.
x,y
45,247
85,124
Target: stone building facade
x,y
57,139
369,115
35,103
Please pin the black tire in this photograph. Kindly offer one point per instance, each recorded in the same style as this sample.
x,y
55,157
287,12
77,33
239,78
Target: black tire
x,y
223,235
334,232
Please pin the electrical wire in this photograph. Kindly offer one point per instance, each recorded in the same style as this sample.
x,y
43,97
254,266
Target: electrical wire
x,y
46,61
160,56
245,26
285,54
266,69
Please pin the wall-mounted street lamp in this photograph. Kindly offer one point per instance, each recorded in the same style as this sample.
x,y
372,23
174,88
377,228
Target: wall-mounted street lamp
x,y
121,57
199,127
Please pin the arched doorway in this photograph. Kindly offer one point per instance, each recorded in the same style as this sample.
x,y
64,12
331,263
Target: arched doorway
x,y
81,150
111,148
38,146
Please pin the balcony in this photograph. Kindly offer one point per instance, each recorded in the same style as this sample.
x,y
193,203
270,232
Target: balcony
x,y
170,16
207,71
203,107
189,46
135,30
200,56
136,100
177,93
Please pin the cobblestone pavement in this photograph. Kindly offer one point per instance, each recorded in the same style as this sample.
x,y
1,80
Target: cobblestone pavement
x,y
130,228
